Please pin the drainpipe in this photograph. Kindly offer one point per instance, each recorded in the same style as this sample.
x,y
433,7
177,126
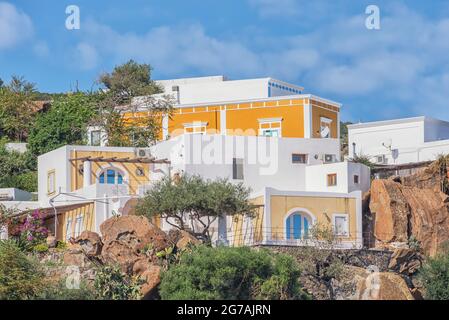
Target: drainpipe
x,y
55,211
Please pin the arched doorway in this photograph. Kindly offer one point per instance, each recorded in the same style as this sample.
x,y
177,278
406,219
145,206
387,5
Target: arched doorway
x,y
297,225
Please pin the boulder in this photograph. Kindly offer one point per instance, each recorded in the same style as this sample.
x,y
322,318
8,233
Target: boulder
x,y
51,241
401,212
75,256
125,239
391,211
186,239
405,261
150,274
90,243
383,286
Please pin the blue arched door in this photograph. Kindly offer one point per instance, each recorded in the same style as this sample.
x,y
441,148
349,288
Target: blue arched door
x,y
297,226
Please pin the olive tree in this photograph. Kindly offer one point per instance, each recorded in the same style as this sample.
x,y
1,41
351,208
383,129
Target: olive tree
x,y
191,201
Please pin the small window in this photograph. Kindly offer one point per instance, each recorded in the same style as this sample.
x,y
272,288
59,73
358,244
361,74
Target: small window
x,y
332,180
111,176
51,182
237,169
356,179
78,225
95,138
68,229
341,226
299,158
272,132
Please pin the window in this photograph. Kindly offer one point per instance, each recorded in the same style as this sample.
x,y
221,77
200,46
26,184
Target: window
x,y
51,182
325,127
111,176
68,229
332,180
270,127
356,179
237,169
78,225
297,226
95,138
341,225
195,128
299,158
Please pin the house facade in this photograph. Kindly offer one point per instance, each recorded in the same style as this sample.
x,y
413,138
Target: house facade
x,y
399,141
263,133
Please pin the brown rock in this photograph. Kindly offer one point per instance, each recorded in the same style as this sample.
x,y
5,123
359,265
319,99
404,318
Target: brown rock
x,y
186,239
126,237
150,274
51,241
383,286
391,211
405,261
75,256
90,243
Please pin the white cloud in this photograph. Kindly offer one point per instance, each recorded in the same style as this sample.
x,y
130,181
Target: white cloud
x,y
86,56
15,26
41,49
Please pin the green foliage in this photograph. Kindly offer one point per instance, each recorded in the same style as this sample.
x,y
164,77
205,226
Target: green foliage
x,y
434,276
17,108
414,243
129,80
59,291
112,284
21,277
61,245
232,273
363,159
64,123
17,170
41,248
191,197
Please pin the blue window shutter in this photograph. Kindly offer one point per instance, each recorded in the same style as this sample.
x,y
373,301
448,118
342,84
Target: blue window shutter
x,y
102,178
111,176
297,226
287,226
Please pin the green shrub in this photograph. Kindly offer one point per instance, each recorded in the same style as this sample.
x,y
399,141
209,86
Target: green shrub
x,y
20,276
232,273
435,277
61,245
112,284
59,291
41,248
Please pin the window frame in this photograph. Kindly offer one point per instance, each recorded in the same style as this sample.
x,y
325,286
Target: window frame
x,y
330,178
270,124
103,176
356,179
236,162
335,216
306,158
51,187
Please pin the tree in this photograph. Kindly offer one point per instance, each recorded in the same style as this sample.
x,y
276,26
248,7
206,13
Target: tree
x,y
126,82
192,201
129,80
224,273
64,123
1,82
17,108
17,170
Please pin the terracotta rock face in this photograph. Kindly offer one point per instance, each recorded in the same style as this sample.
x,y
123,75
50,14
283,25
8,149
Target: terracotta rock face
x,y
186,239
90,243
405,261
125,238
391,211
403,211
383,286
149,273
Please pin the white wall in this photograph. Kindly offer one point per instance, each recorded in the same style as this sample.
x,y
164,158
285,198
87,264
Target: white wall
x,y
13,194
316,177
411,140
267,161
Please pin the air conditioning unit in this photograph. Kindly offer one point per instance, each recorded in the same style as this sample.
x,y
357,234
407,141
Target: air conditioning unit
x,y
328,158
143,153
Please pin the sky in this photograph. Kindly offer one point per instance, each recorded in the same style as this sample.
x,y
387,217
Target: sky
x,y
399,70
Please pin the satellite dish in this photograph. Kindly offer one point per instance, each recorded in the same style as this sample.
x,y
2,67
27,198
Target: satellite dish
x,y
325,132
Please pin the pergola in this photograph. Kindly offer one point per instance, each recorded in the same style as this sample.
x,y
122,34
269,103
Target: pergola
x,y
122,160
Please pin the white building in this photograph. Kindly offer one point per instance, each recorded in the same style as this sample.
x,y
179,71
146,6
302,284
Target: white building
x,y
399,141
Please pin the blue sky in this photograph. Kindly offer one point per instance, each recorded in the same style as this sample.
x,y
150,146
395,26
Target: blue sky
x,y
397,71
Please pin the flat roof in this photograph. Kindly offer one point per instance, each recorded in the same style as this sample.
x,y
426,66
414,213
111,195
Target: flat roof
x,y
393,121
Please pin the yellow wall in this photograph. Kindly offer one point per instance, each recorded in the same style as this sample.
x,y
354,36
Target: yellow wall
x,y
238,231
322,208
321,110
133,180
241,117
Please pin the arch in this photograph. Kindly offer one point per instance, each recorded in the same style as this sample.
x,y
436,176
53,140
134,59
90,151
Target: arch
x,y
112,175
297,223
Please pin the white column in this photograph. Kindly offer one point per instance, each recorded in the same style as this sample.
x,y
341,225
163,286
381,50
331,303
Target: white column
x,y
165,127
87,173
307,121
223,122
